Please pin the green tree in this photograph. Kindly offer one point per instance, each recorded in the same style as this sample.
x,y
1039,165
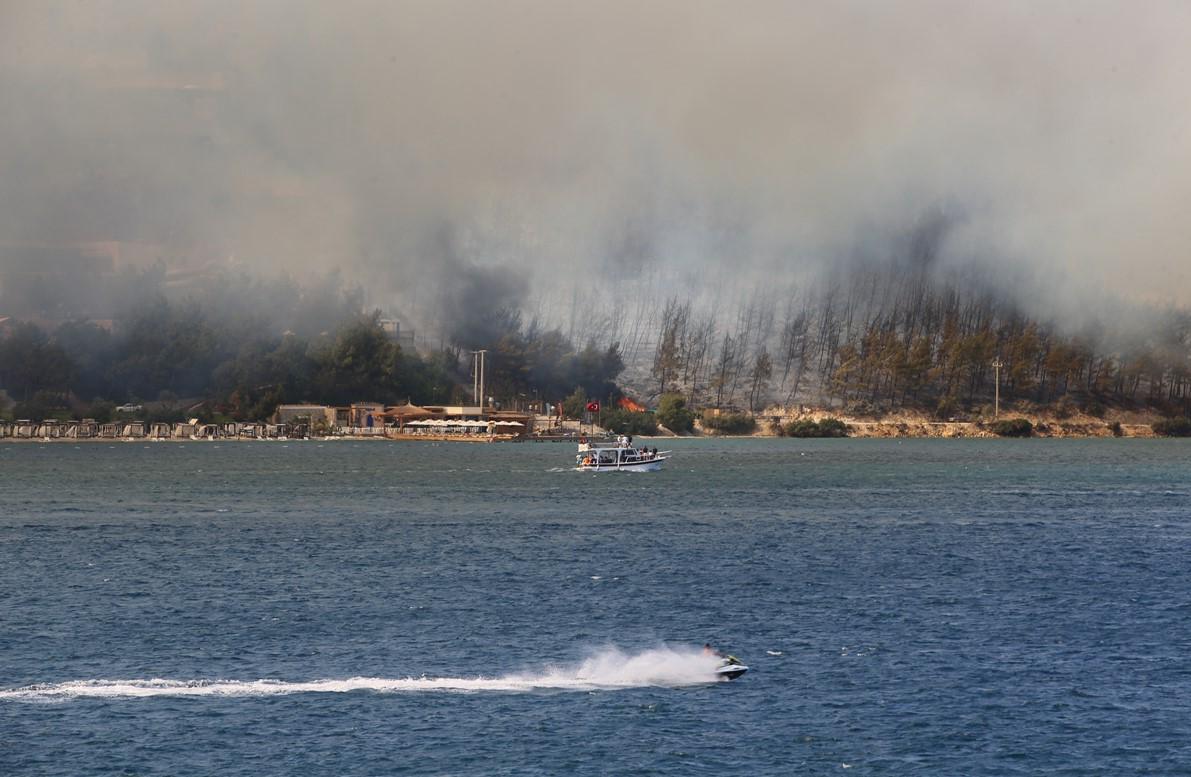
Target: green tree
x,y
165,347
30,362
575,404
361,365
674,415
90,348
620,421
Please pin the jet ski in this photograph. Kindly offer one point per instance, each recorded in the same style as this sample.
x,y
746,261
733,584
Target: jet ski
x,y
730,668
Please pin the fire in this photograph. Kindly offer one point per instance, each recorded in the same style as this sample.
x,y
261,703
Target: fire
x,y
624,403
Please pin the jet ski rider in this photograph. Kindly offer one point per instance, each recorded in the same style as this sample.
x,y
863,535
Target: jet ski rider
x,y
726,658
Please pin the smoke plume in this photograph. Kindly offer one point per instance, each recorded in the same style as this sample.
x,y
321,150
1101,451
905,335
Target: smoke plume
x,y
556,154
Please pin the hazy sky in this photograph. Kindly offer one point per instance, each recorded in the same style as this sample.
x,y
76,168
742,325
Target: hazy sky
x,y
681,141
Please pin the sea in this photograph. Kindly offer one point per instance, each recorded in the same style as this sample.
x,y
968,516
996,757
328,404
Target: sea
x,y
940,607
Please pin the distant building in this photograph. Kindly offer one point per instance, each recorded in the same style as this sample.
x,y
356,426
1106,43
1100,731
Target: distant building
x,y
403,337
288,414
366,415
455,411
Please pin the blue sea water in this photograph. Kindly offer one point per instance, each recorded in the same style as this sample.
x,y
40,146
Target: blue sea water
x,y
947,607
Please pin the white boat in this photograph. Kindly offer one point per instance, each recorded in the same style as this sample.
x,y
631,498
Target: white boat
x,y
731,668
618,456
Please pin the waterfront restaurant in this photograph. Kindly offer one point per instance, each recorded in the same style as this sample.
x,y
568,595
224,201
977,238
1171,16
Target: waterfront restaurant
x,y
458,422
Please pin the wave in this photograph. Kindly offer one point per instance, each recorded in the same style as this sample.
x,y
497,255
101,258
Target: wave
x,y
607,669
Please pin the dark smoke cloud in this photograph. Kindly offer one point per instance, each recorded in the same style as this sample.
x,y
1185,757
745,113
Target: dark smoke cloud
x,y
671,146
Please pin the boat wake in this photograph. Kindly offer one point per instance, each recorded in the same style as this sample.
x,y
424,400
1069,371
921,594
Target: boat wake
x,y
607,669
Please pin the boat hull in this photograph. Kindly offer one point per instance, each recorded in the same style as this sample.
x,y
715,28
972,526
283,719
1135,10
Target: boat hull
x,y
653,465
731,671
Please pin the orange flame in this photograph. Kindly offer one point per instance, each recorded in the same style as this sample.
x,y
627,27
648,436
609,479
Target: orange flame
x,y
625,403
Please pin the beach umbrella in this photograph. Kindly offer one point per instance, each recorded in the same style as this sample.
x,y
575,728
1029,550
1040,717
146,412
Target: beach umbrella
x,y
407,412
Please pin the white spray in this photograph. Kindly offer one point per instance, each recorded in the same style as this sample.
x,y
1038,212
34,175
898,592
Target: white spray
x,y
606,669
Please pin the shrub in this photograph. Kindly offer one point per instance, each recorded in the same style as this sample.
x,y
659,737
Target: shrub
x,y
620,421
1115,428
101,410
832,427
44,405
828,427
730,423
1173,427
1013,427
674,415
803,428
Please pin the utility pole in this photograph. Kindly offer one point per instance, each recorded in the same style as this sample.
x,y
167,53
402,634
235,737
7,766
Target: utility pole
x,y
475,378
482,401
997,365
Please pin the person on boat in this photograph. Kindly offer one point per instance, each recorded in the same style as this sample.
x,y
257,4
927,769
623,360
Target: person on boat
x,y
726,659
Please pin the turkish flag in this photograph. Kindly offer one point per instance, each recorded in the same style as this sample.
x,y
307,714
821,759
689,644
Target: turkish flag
x,y
593,407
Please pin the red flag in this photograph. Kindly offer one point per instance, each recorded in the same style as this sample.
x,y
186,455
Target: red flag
x,y
593,407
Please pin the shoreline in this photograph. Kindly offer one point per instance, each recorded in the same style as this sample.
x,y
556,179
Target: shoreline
x,y
913,425
857,431
347,438
878,431
906,425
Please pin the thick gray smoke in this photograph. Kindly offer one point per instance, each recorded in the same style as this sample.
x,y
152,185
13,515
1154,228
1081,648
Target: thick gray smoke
x,y
601,152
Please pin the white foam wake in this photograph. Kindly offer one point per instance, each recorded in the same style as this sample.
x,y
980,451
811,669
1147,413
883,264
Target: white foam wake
x,y
605,670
